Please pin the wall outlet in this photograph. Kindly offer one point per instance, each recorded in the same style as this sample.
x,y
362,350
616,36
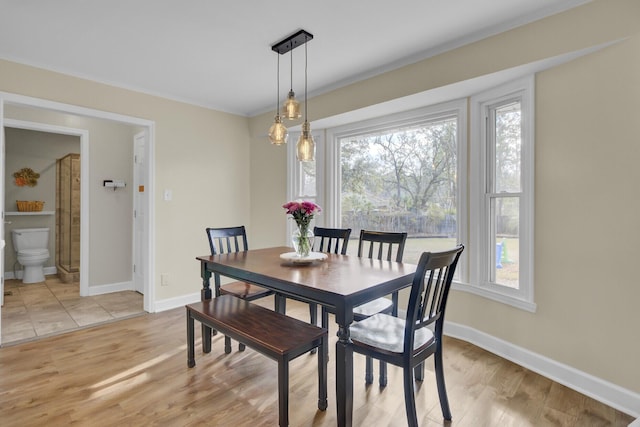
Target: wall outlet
x,y
164,279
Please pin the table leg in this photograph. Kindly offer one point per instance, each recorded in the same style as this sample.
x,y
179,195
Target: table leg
x,y
344,377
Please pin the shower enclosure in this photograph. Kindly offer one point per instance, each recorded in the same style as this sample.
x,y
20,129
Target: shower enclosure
x,y
68,218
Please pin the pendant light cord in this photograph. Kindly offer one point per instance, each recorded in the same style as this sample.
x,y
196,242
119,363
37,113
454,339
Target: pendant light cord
x,y
305,82
291,74
278,88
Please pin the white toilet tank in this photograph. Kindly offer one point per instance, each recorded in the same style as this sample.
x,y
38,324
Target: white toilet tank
x,y
30,238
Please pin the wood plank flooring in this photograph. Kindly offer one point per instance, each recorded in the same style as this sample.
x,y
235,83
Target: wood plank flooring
x,y
134,373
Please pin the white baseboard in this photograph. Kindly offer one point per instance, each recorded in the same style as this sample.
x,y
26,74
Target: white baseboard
x,y
18,274
111,287
181,301
635,423
603,391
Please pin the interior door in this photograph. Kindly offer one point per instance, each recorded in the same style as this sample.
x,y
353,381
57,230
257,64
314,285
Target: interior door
x,y
2,242
139,214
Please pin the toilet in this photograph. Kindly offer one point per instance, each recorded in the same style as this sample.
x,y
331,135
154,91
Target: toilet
x,y
31,246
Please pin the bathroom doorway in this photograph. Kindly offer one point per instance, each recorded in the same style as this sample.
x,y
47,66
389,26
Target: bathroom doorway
x,y
93,262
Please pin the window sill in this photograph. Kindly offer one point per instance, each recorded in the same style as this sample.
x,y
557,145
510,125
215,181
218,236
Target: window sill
x,y
495,296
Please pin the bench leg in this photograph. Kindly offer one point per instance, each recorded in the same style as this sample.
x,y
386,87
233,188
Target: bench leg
x,y
322,373
283,392
191,354
227,344
206,339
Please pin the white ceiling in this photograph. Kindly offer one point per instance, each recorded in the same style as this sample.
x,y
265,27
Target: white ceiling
x,y
218,54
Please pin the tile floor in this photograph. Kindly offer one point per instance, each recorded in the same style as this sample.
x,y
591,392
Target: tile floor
x,y
36,310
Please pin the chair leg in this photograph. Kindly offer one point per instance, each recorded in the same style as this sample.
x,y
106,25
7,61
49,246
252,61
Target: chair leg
x,y
227,344
322,374
418,371
409,397
313,313
313,319
325,318
368,375
442,390
325,324
383,374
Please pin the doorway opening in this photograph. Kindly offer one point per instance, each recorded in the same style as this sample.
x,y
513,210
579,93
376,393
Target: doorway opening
x,y
37,116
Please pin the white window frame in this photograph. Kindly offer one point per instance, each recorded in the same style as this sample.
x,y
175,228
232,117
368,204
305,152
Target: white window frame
x,y
294,178
480,241
332,173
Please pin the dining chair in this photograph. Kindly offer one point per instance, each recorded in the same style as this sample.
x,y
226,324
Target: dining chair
x,y
381,245
227,240
407,343
329,240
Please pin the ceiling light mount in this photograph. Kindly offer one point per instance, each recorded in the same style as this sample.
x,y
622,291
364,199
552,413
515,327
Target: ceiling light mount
x,y
293,41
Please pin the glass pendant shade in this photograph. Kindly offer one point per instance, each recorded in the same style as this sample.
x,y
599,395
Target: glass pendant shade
x,y
278,133
306,147
291,107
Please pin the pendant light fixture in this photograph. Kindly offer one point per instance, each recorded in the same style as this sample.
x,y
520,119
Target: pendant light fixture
x,y
278,133
291,107
305,149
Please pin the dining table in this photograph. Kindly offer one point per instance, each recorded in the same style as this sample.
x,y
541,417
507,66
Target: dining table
x,y
338,282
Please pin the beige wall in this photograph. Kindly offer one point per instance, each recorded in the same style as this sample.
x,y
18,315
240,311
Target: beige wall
x,y
587,209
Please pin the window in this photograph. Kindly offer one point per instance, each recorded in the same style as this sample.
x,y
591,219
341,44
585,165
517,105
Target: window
x,y
304,178
409,172
502,193
401,173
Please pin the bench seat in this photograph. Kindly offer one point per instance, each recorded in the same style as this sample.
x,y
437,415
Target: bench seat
x,y
273,334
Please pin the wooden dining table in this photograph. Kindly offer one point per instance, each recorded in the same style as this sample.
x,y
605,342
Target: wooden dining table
x,y
340,282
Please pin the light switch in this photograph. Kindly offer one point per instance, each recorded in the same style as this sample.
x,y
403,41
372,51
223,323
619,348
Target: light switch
x,y
168,194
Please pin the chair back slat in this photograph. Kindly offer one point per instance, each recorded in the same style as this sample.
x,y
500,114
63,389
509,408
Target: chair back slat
x,y
381,242
429,292
227,240
332,240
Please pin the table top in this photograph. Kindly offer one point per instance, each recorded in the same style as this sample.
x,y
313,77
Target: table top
x,y
340,279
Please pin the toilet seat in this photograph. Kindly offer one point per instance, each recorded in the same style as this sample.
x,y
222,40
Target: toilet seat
x,y
32,253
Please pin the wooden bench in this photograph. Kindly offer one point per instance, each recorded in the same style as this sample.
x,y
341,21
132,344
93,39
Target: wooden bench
x,y
275,335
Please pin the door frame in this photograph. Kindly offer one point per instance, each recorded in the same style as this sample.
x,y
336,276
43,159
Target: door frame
x,y
146,126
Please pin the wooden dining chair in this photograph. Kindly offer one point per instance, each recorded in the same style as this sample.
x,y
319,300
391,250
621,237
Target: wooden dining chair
x,y
408,342
329,240
381,245
228,240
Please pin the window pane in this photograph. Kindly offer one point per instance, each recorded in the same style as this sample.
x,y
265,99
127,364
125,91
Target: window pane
x,y
508,144
307,179
402,179
506,238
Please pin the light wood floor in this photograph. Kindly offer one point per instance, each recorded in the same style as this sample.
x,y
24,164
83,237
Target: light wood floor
x,y
134,373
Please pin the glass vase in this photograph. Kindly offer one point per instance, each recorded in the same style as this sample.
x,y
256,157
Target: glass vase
x,y
302,239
